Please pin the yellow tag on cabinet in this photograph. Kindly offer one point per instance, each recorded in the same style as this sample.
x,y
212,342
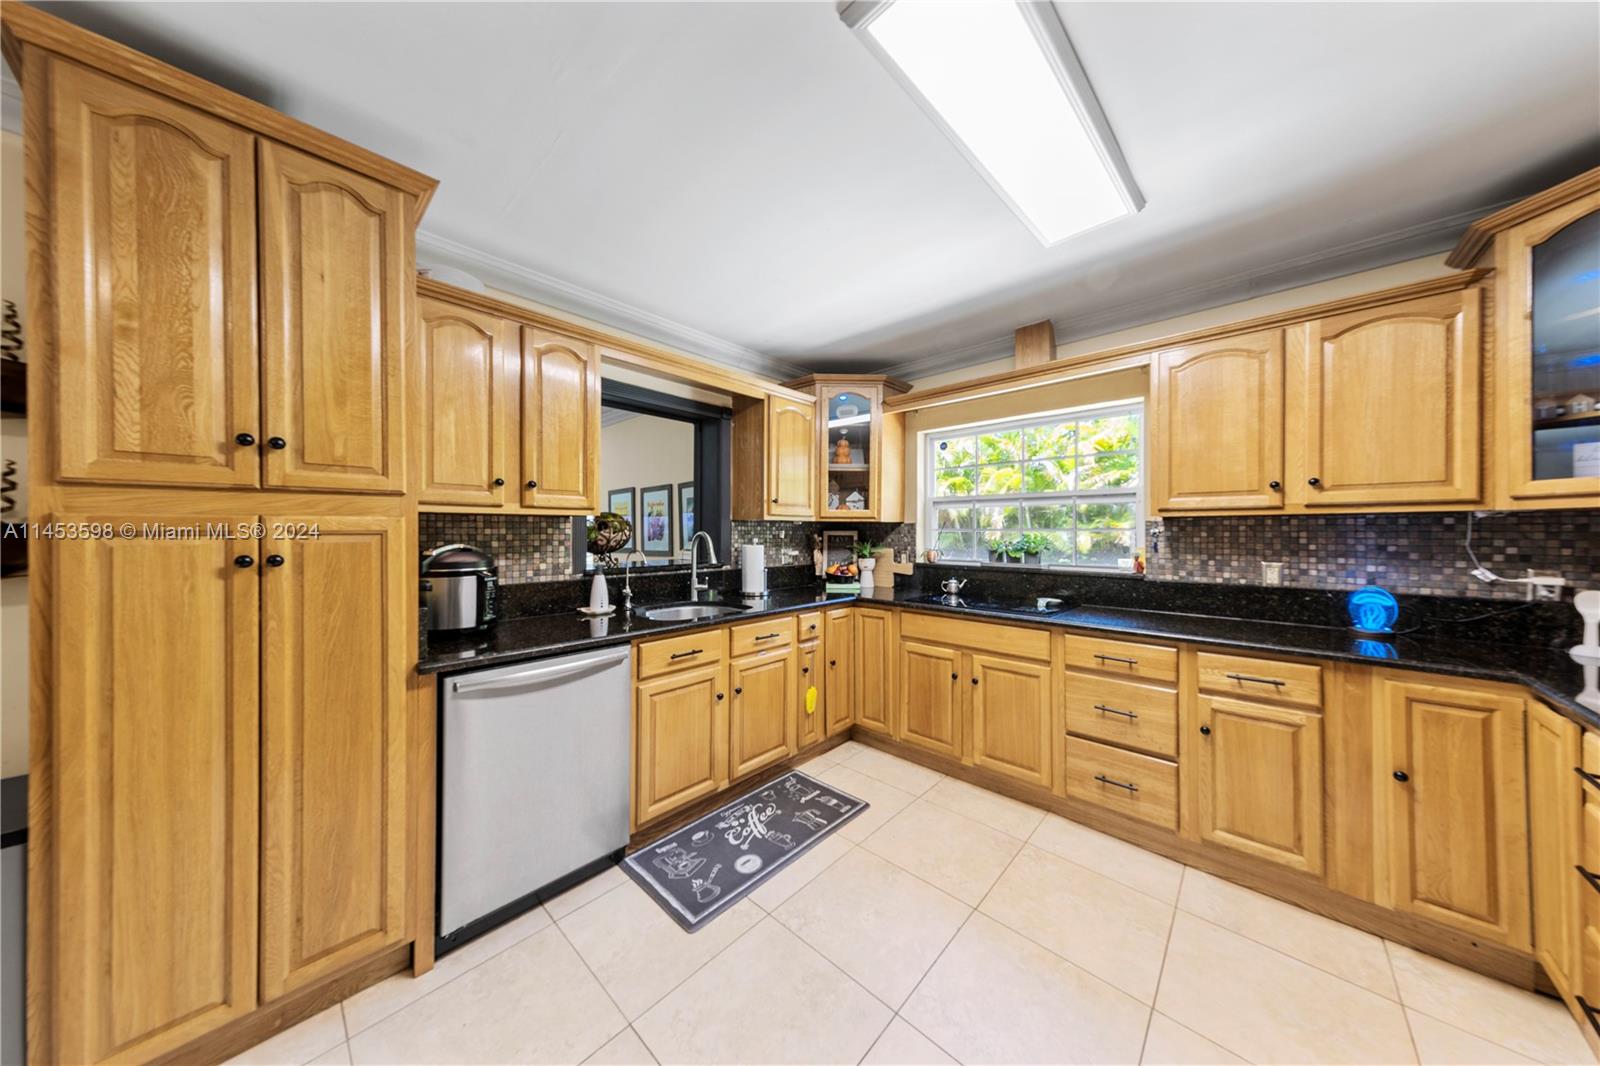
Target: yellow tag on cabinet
x,y
811,699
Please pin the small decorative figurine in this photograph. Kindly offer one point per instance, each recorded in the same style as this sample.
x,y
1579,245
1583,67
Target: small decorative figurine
x,y
841,450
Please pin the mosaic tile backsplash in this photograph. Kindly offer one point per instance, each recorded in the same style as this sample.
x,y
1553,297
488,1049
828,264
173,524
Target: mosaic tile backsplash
x,y
1420,554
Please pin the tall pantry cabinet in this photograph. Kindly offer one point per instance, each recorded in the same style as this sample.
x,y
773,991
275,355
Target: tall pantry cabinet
x,y
221,304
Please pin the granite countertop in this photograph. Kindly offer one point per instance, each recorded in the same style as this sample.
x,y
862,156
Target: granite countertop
x,y
1551,674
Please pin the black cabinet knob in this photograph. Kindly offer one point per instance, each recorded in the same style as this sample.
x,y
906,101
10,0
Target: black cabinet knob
x,y
274,560
1274,485
737,691
1401,776
805,669
499,481
1313,481
244,440
954,676
1205,731
533,484
833,662
277,443
974,681
243,562
719,695
774,499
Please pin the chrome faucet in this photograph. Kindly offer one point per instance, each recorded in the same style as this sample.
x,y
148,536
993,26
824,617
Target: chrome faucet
x,y
627,580
696,586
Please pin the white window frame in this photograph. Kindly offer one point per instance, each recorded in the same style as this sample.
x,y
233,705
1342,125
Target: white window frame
x,y
929,534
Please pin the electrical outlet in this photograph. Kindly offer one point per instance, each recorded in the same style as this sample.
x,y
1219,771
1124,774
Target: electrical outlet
x,y
1271,573
1543,585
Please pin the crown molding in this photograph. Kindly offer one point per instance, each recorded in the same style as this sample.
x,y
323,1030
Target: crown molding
x,y
530,284
10,102
1425,238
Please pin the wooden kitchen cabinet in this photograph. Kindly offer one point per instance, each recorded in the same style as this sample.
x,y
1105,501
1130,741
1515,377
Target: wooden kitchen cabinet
x,y
1387,404
469,367
931,699
761,712
161,364
839,684
335,283
1456,806
874,669
1260,780
811,713
560,423
1011,719
681,732
1218,427
774,459
155,759
334,826
1555,845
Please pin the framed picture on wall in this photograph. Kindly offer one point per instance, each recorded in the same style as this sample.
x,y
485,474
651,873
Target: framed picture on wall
x,y
654,526
620,501
686,512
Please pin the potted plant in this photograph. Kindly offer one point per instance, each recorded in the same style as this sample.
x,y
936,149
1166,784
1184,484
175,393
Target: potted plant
x,y
865,563
1033,546
997,549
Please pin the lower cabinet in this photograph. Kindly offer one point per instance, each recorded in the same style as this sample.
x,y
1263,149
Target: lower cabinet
x,y
1555,845
839,682
761,725
681,727
1260,780
874,668
931,698
810,712
1456,806
1011,722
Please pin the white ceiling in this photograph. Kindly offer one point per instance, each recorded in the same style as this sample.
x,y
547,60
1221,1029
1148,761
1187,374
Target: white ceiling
x,y
745,179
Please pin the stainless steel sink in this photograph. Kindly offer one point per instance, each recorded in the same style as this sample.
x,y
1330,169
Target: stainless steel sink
x,y
688,612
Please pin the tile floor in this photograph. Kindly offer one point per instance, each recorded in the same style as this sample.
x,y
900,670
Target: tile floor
x,y
947,924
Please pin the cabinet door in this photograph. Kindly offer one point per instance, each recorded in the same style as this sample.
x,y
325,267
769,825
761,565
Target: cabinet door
x,y
810,707
1260,781
1458,844
1555,826
155,813
761,726
1011,717
560,423
839,688
791,445
1390,401
682,732
334,729
154,266
1219,443
930,698
335,268
875,641
468,394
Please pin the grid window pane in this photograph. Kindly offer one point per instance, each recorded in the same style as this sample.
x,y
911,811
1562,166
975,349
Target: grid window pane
x,y
961,481
953,453
1000,447
1007,517
953,517
1060,438
954,545
999,480
1104,547
1105,515
1049,515
1111,470
1049,475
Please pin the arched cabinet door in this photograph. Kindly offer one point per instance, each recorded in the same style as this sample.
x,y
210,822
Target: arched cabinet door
x,y
1219,406
335,263
467,392
152,213
560,423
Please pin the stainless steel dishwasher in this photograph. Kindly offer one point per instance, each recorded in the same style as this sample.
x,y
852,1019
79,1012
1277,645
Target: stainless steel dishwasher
x,y
533,785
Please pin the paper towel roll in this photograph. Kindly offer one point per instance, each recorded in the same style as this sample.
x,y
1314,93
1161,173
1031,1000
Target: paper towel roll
x,y
753,559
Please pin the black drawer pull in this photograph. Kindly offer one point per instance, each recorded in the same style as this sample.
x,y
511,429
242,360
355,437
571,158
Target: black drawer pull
x,y
1104,780
244,440
499,481
1274,682
1116,659
769,636
1587,776
1205,731
685,654
1592,878
1401,776
1589,1012
1102,708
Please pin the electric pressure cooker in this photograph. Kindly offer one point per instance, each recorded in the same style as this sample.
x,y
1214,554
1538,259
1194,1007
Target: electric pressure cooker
x,y
459,583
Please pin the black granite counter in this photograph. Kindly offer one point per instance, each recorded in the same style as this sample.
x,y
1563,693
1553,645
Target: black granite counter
x,y
1550,673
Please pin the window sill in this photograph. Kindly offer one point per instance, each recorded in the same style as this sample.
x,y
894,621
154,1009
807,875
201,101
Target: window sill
x,y
1020,568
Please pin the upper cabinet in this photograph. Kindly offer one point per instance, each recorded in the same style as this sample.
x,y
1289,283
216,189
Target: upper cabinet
x,y
468,396
155,279
774,459
861,461
335,265
1385,402
1219,436
560,423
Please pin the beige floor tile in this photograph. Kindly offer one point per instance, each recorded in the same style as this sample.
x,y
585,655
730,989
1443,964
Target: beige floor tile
x,y
376,1002
847,751
1326,944
535,1002
624,1049
876,922
1529,1024
902,1045
996,997
948,850
903,774
639,953
821,759
769,998
1440,1044
339,1056
1154,875
1115,932
883,801
590,890
990,808
300,1043
770,894
1269,1007
1170,1044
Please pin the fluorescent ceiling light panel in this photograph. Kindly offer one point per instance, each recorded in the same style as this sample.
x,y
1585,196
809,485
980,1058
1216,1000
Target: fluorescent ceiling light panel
x,y
1002,80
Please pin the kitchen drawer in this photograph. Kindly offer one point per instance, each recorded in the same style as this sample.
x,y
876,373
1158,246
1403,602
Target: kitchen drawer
x,y
811,625
1123,658
1019,642
677,653
1260,679
1123,712
764,634
1140,786
1591,754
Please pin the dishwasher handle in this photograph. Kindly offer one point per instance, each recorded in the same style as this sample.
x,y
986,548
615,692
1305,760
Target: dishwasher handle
x,y
540,673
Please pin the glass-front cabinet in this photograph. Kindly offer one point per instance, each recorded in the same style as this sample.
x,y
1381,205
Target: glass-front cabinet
x,y
861,460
